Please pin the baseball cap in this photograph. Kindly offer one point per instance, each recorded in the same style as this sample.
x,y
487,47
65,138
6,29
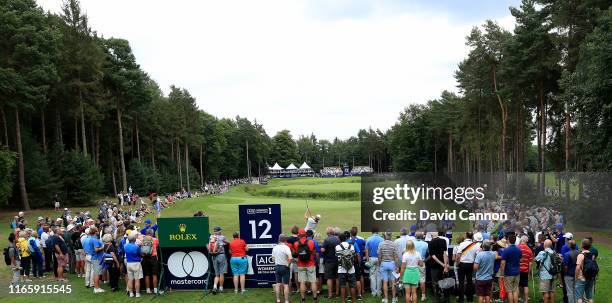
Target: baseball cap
x,y
70,227
217,229
302,232
148,221
318,216
568,236
478,237
40,218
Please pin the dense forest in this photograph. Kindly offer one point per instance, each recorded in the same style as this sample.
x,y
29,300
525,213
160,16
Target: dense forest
x,y
80,118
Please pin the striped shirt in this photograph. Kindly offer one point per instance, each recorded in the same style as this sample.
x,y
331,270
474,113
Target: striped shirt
x,y
386,251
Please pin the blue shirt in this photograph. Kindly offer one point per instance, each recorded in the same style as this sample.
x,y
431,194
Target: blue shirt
x,y
372,245
545,263
144,229
95,243
359,245
486,260
422,247
569,263
87,246
565,248
132,252
512,256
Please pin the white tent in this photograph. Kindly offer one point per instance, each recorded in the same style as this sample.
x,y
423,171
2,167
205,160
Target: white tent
x,y
291,167
276,167
304,166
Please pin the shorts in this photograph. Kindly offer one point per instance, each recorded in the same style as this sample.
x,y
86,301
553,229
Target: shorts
x,y
524,279
511,283
150,266
134,270
307,274
220,264
548,285
331,270
484,287
282,273
293,266
584,288
96,267
57,204
422,274
79,255
62,260
387,268
239,265
347,278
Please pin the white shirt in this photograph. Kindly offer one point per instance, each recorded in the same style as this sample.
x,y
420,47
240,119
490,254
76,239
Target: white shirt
x,y
467,256
43,239
281,254
343,246
411,260
311,223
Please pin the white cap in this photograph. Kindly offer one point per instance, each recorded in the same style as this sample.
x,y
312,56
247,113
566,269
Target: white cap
x,y
70,227
568,236
478,237
318,216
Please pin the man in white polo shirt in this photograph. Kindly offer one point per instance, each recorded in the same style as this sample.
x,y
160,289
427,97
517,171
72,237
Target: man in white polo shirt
x,y
466,254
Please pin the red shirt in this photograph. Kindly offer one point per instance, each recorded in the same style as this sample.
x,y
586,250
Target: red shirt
x,y
238,248
311,246
526,257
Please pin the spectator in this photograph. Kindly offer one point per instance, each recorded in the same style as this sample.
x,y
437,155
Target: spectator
x,y
134,268
61,252
584,280
466,254
89,252
306,264
510,268
547,287
421,246
238,262
347,257
525,267
410,272
48,252
570,258
24,251
96,247
282,259
13,254
372,263
148,226
216,248
360,246
438,261
387,255
330,261
150,263
484,265
36,255
79,252
111,261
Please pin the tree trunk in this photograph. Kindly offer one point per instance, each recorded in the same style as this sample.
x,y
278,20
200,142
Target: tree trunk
x,y
567,154
543,137
201,167
21,170
178,162
3,116
43,130
83,133
137,141
97,146
58,128
504,116
187,165
153,155
76,133
112,167
121,155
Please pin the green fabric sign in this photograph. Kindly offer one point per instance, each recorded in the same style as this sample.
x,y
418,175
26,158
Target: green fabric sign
x,y
183,232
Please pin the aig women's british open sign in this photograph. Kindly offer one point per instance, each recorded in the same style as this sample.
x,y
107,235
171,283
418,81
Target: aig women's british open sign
x,y
260,226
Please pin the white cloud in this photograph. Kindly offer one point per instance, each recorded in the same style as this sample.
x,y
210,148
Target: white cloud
x,y
272,61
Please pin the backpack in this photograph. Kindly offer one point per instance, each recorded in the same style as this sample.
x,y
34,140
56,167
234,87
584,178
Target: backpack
x,y
303,251
147,246
214,247
590,269
555,264
346,257
7,257
49,243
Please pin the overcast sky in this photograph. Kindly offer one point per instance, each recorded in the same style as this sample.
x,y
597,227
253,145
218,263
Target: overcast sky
x,y
324,67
